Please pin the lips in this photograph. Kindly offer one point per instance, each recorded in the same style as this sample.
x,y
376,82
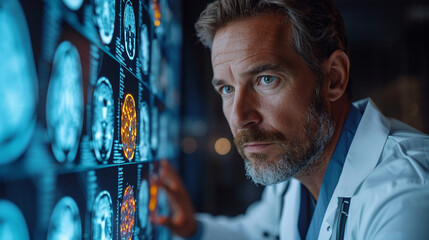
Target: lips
x,y
255,147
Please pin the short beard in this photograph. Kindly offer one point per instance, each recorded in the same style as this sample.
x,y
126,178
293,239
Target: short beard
x,y
299,153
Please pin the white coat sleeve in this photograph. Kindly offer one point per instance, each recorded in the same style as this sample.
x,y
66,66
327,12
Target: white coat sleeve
x,y
261,220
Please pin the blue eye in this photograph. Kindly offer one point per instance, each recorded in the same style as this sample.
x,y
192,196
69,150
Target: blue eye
x,y
226,89
268,79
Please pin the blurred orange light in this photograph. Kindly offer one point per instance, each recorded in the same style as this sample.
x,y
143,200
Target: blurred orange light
x,y
153,196
222,146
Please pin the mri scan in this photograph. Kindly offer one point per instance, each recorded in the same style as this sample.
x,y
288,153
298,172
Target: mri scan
x,y
128,212
18,83
105,17
73,4
129,126
102,217
144,146
65,223
144,48
12,222
103,119
130,30
64,104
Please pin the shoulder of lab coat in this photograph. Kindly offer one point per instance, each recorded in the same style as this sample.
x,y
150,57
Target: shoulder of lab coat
x,y
261,220
386,175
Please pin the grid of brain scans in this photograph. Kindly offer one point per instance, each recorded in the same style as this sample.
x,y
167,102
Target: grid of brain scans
x,y
86,97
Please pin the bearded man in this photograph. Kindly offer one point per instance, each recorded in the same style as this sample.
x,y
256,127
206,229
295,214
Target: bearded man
x,y
333,169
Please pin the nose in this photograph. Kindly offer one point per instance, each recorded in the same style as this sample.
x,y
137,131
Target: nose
x,y
244,112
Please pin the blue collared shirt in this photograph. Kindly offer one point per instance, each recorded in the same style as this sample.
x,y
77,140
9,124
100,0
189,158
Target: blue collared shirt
x,y
309,209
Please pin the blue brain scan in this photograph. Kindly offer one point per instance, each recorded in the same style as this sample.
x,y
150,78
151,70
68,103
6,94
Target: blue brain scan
x,y
144,204
103,119
105,14
144,48
12,222
18,82
130,30
156,65
154,141
144,146
102,217
65,223
64,104
73,4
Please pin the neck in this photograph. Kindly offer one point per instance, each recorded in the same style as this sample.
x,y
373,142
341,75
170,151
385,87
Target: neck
x,y
312,176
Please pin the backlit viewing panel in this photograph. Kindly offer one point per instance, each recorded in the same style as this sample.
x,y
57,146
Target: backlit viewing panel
x,y
83,99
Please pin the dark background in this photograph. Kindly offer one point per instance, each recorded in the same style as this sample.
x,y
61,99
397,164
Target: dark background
x,y
389,43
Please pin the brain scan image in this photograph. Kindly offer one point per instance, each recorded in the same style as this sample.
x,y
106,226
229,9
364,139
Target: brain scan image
x,y
128,211
18,82
64,104
65,223
144,146
155,129
105,15
129,126
73,4
130,30
103,119
144,204
102,217
144,48
156,65
12,222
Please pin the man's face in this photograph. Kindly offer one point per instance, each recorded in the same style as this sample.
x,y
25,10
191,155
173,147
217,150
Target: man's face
x,y
273,102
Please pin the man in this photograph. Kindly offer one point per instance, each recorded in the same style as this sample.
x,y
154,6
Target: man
x,y
333,170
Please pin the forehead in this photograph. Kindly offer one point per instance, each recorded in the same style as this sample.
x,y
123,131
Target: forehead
x,y
267,34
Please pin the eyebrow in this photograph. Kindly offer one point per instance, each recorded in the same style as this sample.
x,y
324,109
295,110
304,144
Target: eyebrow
x,y
262,68
217,82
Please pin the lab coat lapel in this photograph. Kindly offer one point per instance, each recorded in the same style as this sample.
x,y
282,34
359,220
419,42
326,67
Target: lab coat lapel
x,y
361,159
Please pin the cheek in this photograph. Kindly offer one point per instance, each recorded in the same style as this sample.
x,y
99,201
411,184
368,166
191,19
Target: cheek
x,y
284,113
226,108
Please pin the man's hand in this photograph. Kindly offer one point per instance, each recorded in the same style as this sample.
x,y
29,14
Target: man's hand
x,y
182,221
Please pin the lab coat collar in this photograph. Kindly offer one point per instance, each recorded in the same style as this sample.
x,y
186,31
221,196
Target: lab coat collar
x,y
362,158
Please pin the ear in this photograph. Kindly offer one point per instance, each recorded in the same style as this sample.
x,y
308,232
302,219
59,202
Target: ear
x,y
337,68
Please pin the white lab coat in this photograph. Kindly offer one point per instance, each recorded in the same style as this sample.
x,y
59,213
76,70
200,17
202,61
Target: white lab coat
x,y
386,174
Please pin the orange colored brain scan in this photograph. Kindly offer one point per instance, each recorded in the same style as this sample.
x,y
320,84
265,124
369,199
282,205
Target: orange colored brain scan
x,y
128,212
129,126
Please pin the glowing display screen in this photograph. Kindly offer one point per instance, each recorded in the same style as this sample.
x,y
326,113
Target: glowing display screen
x,y
103,119
144,203
86,116
155,129
65,221
102,218
144,48
18,83
12,222
144,146
129,126
73,4
105,12
130,30
64,104
128,211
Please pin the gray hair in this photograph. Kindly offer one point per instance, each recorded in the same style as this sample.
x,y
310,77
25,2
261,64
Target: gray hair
x,y
317,26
